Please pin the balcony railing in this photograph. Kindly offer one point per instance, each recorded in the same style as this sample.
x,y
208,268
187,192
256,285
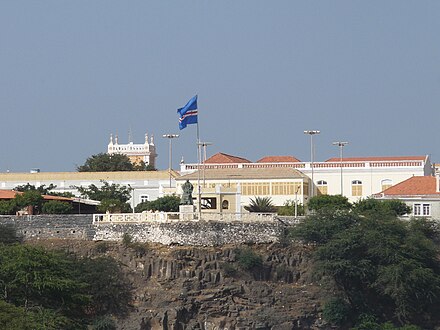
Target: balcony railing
x,y
176,217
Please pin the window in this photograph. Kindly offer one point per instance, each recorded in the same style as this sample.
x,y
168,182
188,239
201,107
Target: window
x,y
285,188
143,198
208,203
356,188
255,189
387,183
322,187
422,209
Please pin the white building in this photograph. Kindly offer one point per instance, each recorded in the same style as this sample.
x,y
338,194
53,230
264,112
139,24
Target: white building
x,y
421,193
355,178
145,152
146,185
230,189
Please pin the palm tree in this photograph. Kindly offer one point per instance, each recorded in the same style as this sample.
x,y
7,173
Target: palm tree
x,y
261,205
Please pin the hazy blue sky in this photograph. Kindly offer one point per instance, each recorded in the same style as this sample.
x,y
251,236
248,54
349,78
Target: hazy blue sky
x,y
72,72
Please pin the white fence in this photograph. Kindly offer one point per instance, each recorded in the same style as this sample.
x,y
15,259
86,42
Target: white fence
x,y
176,216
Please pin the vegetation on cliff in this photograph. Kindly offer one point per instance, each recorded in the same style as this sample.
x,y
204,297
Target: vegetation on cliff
x,y
42,289
376,267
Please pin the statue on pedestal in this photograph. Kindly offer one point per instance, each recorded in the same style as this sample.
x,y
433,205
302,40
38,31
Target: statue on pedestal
x,y
187,189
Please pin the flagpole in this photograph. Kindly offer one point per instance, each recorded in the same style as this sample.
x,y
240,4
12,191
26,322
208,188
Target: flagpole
x,y
199,192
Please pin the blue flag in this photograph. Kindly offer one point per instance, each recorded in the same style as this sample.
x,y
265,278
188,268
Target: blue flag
x,y
188,114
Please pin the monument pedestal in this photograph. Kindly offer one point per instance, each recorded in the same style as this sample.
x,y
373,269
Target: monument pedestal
x,y
186,212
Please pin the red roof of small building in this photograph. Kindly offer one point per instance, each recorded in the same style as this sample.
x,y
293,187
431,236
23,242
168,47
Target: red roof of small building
x,y
278,159
414,186
221,158
376,159
10,194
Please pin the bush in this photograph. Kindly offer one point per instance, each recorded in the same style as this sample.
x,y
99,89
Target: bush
x,y
288,209
104,323
8,207
248,259
336,311
57,207
8,235
127,240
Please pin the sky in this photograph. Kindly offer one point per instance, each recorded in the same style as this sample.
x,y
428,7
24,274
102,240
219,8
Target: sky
x,y
73,72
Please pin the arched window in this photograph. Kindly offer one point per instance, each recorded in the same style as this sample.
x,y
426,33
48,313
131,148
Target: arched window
x,y
387,183
225,205
356,188
322,187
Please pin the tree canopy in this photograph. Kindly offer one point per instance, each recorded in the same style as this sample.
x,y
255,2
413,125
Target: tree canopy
x,y
113,197
104,162
325,202
376,264
41,289
164,204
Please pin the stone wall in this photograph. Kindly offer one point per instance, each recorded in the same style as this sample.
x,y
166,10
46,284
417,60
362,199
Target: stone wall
x,y
72,226
195,233
192,233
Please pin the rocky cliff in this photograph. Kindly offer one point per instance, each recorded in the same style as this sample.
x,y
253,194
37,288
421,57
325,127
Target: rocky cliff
x,y
176,287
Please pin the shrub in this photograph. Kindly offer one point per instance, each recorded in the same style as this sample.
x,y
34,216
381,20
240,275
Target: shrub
x,y
248,259
104,323
127,240
336,311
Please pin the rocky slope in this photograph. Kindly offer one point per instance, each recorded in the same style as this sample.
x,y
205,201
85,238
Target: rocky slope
x,y
177,287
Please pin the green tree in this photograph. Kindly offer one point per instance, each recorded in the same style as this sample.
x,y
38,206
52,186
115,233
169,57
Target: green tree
x,y
57,207
326,202
8,207
30,199
261,205
165,204
42,189
377,263
371,205
113,197
109,291
104,162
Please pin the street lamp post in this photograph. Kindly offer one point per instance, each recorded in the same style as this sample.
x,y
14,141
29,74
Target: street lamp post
x,y
312,152
341,146
170,137
204,145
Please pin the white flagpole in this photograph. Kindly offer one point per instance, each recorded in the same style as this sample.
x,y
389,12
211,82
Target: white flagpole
x,y
199,188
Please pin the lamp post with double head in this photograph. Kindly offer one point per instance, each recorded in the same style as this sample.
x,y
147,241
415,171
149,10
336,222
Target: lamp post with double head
x,y
341,146
170,137
312,154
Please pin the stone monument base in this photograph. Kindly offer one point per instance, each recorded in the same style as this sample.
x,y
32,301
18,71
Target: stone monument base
x,y
186,212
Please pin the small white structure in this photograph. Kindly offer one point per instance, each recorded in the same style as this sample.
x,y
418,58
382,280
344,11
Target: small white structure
x,y
145,152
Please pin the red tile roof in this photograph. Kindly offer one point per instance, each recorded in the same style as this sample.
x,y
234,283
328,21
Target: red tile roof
x,y
278,159
10,194
221,158
414,186
376,159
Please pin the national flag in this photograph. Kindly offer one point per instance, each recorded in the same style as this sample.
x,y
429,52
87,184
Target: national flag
x,y
188,114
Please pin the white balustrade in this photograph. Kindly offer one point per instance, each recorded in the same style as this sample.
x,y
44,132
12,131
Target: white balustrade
x,y
175,216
